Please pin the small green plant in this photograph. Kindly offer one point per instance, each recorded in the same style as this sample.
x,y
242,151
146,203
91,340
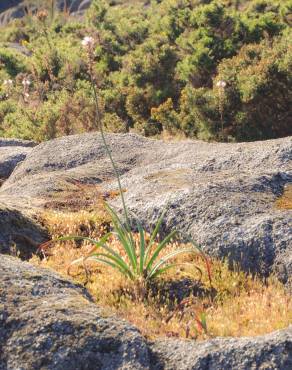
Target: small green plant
x,y
139,261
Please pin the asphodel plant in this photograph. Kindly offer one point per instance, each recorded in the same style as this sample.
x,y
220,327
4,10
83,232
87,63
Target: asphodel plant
x,y
139,259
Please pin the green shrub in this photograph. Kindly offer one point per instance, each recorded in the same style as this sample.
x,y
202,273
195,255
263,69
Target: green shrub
x,y
21,124
259,95
113,123
155,67
255,105
12,62
16,31
167,116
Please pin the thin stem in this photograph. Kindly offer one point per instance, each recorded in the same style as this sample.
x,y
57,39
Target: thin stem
x,y
52,10
100,126
47,37
221,93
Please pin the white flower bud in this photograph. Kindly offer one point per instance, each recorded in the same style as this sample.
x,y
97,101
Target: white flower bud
x,y
221,84
8,83
26,82
88,41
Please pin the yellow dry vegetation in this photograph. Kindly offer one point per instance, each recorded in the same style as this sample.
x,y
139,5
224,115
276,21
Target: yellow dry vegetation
x,y
285,201
236,304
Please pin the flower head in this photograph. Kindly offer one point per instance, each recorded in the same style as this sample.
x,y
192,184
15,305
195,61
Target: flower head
x,y
7,82
221,84
26,82
87,42
42,15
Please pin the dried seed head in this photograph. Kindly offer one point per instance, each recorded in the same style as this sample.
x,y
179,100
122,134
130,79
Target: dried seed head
x,y
42,15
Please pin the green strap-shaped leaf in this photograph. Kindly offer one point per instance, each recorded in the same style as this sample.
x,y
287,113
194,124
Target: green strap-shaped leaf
x,y
154,234
127,241
116,218
142,248
169,256
105,262
118,261
206,259
98,243
158,249
162,270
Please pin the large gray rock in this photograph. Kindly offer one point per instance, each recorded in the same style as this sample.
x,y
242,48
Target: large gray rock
x,y
12,151
269,352
80,157
50,323
20,235
222,195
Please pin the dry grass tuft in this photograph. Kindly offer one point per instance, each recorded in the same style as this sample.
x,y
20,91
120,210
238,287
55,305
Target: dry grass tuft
x,y
82,223
236,305
285,201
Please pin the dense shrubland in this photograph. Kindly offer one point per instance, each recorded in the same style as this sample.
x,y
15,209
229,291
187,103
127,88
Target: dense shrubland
x,y
214,70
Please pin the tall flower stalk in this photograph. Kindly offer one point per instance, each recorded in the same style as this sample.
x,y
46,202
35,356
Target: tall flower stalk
x,y
89,45
140,259
221,85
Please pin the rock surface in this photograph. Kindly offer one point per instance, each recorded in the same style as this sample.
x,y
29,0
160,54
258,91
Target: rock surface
x,y
222,195
12,152
10,9
273,352
50,323
47,322
20,235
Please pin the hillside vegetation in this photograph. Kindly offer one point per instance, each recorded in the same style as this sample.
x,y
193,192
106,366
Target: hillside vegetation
x,y
213,70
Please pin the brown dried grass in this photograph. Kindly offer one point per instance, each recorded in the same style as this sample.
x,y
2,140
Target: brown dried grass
x,y
236,305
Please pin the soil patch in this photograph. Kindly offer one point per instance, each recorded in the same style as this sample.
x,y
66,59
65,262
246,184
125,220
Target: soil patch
x,y
78,196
